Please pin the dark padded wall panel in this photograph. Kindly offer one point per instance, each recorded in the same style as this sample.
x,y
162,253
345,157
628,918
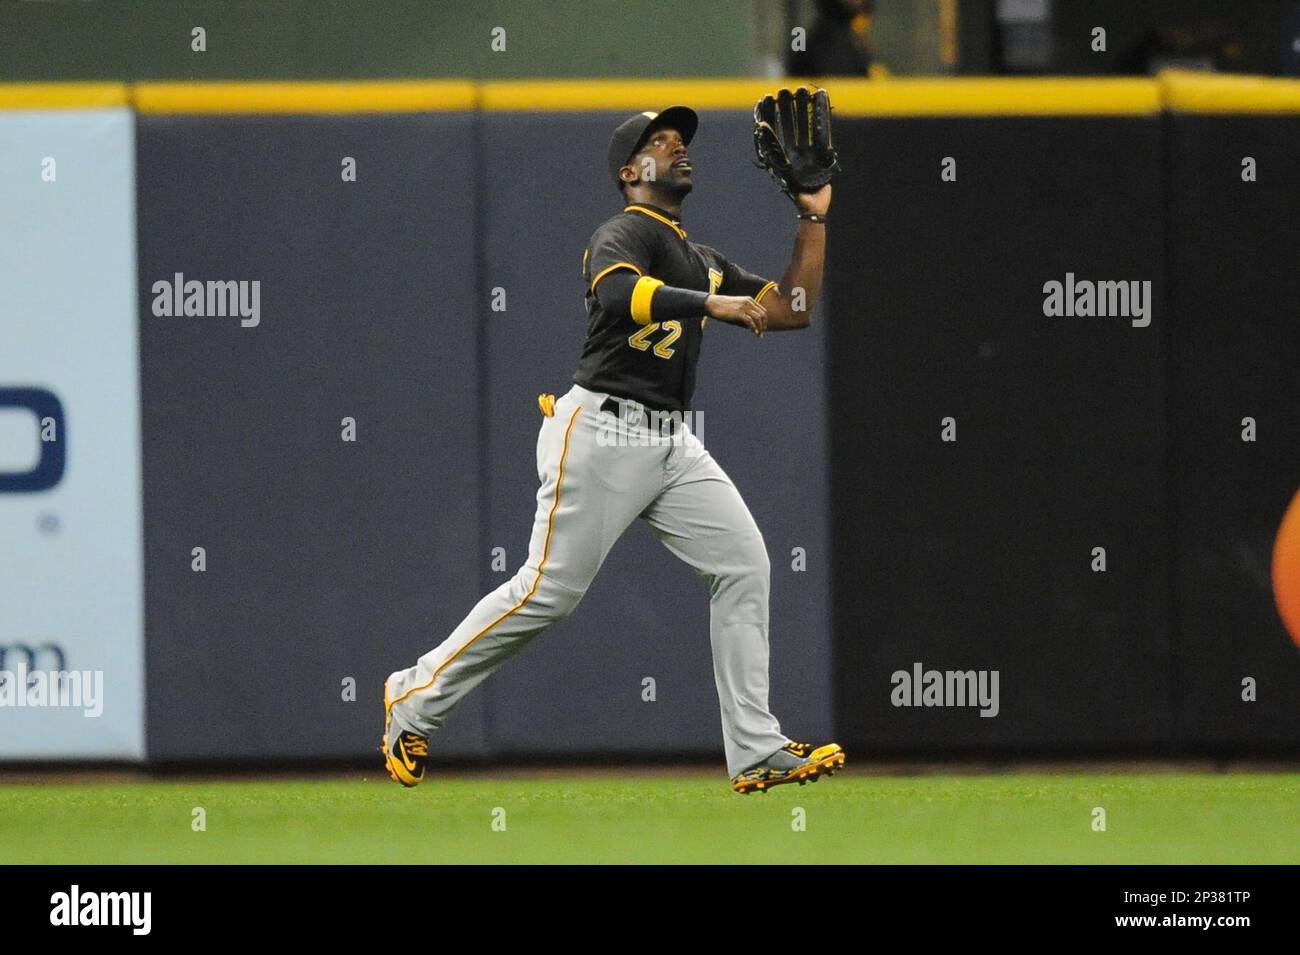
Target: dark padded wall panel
x,y
325,559
975,555
1235,353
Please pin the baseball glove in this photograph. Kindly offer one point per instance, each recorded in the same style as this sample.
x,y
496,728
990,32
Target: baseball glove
x,y
792,139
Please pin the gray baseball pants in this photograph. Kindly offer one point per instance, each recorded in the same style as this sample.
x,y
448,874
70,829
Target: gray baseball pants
x,y
598,473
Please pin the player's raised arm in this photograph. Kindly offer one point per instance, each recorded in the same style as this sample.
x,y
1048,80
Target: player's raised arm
x,y
791,303
792,138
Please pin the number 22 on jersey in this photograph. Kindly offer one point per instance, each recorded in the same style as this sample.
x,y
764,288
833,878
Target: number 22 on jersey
x,y
640,340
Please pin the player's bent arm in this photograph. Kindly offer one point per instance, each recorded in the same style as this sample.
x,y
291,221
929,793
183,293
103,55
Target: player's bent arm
x,y
646,299
791,304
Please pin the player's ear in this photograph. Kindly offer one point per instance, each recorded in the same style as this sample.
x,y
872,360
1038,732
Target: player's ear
x,y
628,175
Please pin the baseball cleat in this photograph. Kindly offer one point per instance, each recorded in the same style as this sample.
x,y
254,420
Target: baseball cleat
x,y
407,754
792,763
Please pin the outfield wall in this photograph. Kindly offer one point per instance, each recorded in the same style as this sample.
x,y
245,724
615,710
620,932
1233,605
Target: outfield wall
x,y
329,562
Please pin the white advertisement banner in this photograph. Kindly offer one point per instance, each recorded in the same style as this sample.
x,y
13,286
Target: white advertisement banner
x,y
71,587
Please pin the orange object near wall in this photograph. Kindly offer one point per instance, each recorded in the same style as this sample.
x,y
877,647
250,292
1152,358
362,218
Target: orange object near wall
x,y
1286,569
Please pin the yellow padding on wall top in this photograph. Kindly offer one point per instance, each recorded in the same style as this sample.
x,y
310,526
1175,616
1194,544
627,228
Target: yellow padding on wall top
x,y
400,96
1177,90
850,96
62,95
1187,92
996,96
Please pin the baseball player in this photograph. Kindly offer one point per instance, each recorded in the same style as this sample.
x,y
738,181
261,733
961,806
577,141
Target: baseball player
x,y
618,445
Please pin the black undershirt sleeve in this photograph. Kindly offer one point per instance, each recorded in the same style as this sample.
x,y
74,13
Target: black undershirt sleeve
x,y
615,294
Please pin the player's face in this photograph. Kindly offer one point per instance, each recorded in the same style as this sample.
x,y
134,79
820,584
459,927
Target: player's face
x,y
663,159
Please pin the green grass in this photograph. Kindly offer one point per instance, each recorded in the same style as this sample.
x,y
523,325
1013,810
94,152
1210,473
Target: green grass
x,y
1038,818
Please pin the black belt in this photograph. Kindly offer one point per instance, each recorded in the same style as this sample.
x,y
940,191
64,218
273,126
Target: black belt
x,y
636,414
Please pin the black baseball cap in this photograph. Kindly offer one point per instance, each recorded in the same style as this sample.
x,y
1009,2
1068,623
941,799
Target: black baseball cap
x,y
634,131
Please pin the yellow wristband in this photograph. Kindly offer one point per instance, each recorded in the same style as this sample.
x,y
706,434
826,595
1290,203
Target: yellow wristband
x,y
642,292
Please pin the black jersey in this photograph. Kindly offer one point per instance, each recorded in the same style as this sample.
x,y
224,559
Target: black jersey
x,y
652,363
